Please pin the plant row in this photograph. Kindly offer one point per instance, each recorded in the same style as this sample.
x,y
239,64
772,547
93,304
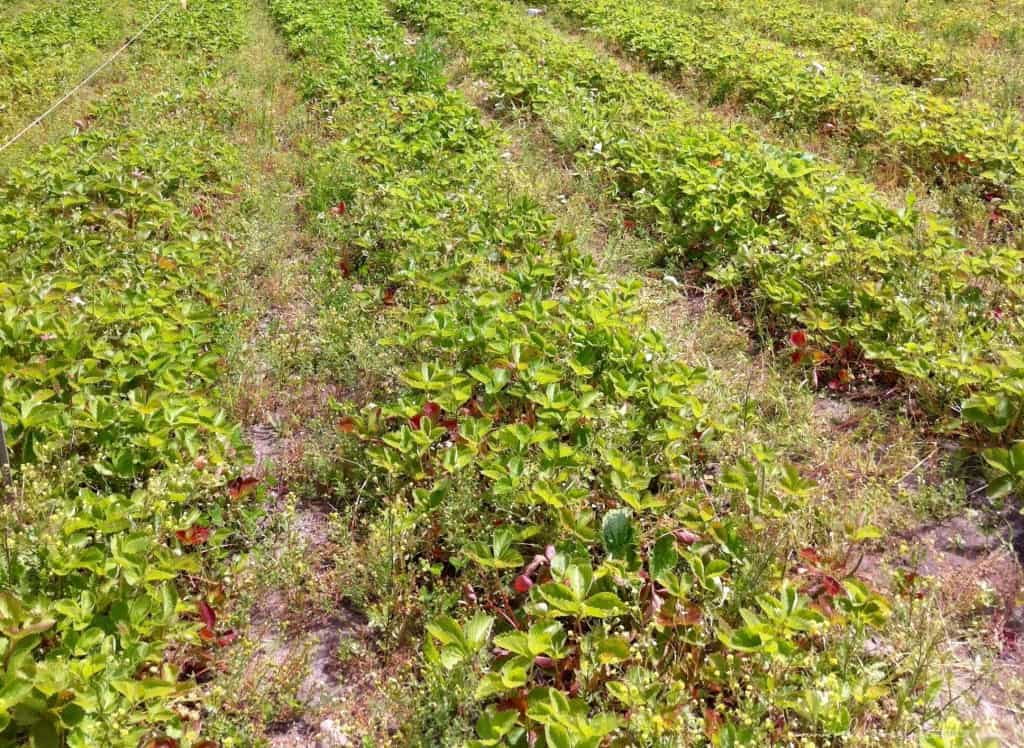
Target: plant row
x,y
989,27
859,40
957,146
538,471
108,356
818,247
41,50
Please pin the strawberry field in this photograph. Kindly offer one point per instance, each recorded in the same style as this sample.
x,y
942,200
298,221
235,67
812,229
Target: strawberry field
x,y
436,373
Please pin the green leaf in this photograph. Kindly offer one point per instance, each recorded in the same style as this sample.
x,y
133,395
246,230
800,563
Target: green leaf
x,y
743,640
515,642
663,556
617,533
603,605
559,597
556,736
478,630
447,631
612,649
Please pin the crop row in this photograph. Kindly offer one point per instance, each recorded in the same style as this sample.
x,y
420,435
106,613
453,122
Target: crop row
x,y
538,461
858,40
819,247
41,50
108,354
944,142
988,26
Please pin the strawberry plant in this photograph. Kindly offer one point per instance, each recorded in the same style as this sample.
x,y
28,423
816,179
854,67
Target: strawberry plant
x,y
40,50
819,247
540,467
108,357
857,39
941,140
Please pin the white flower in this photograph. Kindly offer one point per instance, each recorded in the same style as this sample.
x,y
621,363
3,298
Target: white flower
x,y
598,147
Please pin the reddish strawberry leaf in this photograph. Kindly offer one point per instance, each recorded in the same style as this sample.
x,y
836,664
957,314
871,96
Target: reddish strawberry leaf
x,y
340,209
798,338
452,426
809,554
161,742
195,535
207,614
431,410
686,537
241,487
347,425
830,586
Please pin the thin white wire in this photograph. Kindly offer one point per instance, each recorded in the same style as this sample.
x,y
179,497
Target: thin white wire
x,y
85,80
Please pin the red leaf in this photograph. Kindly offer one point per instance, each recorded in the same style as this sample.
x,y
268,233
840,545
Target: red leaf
x,y
340,209
686,537
345,267
431,410
347,425
162,742
207,614
810,555
452,426
841,381
241,487
831,586
195,535
389,296
228,637
712,722
798,338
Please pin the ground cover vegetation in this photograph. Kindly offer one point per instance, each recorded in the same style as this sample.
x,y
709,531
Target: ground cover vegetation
x,y
977,34
122,456
758,217
43,49
559,526
888,50
942,141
